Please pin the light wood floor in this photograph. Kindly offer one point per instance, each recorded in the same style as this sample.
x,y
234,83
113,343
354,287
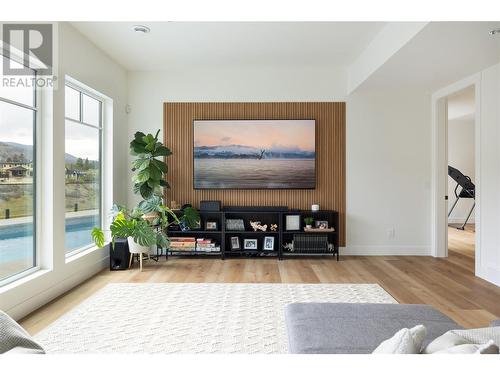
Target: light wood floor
x,y
447,284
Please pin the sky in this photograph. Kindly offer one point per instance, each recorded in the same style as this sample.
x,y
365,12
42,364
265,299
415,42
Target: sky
x,y
262,134
16,125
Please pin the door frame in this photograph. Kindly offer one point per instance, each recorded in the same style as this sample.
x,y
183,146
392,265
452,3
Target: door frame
x,y
439,184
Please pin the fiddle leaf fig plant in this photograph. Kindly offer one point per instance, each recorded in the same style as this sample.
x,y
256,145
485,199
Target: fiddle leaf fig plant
x,y
146,223
149,170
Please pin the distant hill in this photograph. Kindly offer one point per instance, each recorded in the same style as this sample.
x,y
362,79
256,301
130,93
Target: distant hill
x,y
248,152
9,149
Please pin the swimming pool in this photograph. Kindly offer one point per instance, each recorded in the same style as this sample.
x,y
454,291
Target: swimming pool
x,y
16,240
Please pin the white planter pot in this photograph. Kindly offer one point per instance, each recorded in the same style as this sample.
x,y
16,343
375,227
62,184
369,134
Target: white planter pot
x,y
135,248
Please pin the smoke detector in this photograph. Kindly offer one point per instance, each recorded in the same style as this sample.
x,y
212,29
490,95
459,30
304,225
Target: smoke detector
x,y
141,29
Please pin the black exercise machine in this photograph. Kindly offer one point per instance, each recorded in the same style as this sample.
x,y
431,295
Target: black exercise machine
x,y
468,190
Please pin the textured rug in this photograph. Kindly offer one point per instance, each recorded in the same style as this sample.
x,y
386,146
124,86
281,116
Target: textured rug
x,y
191,318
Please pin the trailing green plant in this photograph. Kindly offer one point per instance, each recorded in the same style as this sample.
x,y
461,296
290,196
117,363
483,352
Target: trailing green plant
x,y
308,220
149,170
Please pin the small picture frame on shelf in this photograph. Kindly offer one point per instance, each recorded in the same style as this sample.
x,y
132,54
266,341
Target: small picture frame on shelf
x,y
269,243
211,225
250,244
321,224
292,222
235,243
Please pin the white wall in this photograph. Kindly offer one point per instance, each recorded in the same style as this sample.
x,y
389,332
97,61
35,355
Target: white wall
x,y
388,142
84,62
488,171
461,155
388,173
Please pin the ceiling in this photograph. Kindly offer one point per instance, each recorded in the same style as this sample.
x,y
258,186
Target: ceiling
x,y
440,54
208,44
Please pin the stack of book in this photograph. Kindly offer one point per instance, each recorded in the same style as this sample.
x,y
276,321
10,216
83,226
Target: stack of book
x,y
206,245
182,243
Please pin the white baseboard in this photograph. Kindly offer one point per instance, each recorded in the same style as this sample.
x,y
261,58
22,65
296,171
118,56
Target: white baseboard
x,y
386,250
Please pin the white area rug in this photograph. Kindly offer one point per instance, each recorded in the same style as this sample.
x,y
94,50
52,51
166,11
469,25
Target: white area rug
x,y
191,318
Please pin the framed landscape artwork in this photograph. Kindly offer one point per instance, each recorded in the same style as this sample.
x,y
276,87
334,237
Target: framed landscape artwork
x,y
254,154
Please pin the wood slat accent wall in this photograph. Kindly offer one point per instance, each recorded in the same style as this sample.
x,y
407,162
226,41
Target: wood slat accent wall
x,y
330,154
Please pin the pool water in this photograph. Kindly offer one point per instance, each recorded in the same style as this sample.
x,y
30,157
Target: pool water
x,y
16,241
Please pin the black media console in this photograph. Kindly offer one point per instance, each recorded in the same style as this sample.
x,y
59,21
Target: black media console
x,y
232,232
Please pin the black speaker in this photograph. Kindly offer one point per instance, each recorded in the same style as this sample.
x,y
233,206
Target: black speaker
x,y
209,205
119,256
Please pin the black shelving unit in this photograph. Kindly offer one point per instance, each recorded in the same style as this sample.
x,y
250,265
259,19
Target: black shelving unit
x,y
222,236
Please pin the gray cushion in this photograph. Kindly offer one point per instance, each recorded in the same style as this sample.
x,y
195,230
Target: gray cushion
x,y
14,339
356,327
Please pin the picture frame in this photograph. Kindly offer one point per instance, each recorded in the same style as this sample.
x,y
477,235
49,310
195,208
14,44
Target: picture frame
x,y
321,224
210,225
268,243
250,244
292,222
235,243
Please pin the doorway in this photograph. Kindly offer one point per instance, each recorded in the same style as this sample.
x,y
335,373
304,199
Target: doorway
x,y
440,205
461,110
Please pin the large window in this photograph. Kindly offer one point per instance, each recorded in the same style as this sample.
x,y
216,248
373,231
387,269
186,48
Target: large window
x,y
83,112
18,123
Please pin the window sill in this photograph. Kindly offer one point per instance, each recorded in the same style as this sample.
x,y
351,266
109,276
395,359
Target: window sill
x,y
80,253
23,278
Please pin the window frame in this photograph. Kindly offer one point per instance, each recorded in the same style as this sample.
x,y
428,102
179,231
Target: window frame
x,y
100,127
36,189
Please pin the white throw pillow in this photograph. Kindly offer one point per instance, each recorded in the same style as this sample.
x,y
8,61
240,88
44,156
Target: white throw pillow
x,y
405,341
458,337
488,348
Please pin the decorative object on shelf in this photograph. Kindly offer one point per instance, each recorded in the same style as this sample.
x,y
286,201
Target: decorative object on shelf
x,y
288,246
210,206
319,230
257,226
310,243
235,225
274,227
250,244
269,243
308,221
321,224
315,207
235,243
292,222
211,225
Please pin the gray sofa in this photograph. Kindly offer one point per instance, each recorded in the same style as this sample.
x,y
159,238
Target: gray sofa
x,y
345,328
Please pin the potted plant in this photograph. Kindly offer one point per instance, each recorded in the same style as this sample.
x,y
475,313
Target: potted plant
x,y
308,221
145,225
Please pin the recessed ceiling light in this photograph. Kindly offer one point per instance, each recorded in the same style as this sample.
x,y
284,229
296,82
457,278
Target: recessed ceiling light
x,y
141,29
495,31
